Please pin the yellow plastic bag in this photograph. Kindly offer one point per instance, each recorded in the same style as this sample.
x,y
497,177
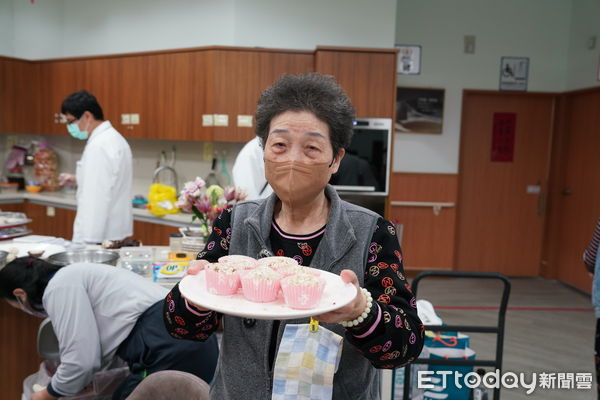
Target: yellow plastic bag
x,y
161,199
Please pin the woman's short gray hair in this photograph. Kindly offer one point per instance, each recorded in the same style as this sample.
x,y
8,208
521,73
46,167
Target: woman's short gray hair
x,y
313,92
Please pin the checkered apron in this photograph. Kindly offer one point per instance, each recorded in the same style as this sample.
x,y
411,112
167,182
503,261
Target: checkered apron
x,y
306,363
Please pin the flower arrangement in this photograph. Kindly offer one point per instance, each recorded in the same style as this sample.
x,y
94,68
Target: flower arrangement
x,y
206,203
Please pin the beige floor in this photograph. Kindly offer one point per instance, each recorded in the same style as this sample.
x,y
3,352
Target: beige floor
x,y
549,340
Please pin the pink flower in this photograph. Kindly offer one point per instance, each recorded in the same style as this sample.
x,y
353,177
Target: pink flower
x,y
230,193
203,204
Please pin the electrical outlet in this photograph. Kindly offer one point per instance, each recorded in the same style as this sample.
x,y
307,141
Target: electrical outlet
x,y
244,121
207,120
207,151
11,141
221,119
135,119
125,119
50,211
469,44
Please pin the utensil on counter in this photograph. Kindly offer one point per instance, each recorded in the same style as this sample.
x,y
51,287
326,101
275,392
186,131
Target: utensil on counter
x,y
164,166
92,256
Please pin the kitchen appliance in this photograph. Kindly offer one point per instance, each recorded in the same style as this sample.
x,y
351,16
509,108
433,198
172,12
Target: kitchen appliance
x,y
365,169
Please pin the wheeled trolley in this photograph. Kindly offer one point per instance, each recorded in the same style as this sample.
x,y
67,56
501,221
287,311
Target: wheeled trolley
x,y
497,329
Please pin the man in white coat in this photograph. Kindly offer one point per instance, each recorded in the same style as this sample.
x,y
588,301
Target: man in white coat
x,y
249,171
103,175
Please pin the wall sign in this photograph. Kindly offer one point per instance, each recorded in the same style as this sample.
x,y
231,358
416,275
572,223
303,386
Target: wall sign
x,y
419,110
503,137
514,73
409,60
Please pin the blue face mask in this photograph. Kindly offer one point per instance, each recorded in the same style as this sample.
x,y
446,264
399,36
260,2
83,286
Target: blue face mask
x,y
73,129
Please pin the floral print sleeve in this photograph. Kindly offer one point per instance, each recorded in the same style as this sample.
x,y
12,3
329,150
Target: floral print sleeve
x,y
392,335
182,319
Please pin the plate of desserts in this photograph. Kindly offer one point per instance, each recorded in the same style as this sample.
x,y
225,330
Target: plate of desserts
x,y
269,288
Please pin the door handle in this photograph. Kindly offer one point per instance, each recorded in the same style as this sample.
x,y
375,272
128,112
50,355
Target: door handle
x,y
541,208
566,192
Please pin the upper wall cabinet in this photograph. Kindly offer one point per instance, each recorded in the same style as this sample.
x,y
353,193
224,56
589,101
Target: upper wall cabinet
x,y
367,75
234,81
19,93
196,94
58,79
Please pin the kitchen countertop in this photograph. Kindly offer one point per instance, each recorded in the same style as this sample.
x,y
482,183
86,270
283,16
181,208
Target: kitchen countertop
x,y
67,200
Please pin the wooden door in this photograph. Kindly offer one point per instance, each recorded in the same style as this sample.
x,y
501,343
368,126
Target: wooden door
x,y
578,195
367,76
500,216
58,79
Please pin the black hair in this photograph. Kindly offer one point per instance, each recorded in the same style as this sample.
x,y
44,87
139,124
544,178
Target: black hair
x,y
313,92
79,102
30,274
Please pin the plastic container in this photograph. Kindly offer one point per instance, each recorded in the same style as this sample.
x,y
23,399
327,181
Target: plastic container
x,y
137,259
46,167
175,241
8,187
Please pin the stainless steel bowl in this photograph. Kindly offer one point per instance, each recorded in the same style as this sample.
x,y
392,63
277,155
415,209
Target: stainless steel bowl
x,y
91,256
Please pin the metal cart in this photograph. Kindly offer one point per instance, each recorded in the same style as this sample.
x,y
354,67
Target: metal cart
x,y
497,329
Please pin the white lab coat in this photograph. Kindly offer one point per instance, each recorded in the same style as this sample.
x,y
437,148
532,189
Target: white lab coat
x,y
249,171
104,176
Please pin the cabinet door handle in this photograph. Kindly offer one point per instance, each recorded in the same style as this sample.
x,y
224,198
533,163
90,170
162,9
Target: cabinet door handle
x,y
541,208
566,192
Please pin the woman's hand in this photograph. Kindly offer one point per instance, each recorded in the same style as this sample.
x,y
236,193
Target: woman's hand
x,y
194,267
351,311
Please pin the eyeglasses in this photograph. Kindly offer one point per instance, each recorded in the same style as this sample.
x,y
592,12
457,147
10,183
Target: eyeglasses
x,y
69,122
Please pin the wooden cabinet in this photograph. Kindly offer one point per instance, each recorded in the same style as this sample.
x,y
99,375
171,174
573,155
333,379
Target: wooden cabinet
x,y
19,349
175,96
237,78
19,105
57,222
58,79
367,75
153,234
171,91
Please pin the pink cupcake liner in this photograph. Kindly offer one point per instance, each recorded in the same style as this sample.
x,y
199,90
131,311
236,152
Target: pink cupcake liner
x,y
220,283
302,297
260,290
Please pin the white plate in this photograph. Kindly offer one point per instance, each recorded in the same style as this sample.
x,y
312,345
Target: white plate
x,y
335,295
16,223
49,249
34,239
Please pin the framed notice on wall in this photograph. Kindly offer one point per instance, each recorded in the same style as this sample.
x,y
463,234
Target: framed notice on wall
x,y
419,110
409,60
514,73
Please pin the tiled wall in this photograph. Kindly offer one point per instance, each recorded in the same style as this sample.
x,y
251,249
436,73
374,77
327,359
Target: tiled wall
x,y
189,155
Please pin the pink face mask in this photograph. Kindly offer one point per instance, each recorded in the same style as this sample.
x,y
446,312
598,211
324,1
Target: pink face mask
x,y
25,309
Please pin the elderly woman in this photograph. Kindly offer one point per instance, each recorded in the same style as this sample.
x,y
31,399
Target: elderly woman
x,y
304,123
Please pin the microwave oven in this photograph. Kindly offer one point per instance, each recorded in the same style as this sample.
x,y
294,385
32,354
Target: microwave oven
x,y
365,169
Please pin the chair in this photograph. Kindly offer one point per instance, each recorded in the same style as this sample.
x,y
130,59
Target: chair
x,y
168,385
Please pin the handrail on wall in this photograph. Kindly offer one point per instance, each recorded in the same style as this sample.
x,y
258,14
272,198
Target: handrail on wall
x,y
437,206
